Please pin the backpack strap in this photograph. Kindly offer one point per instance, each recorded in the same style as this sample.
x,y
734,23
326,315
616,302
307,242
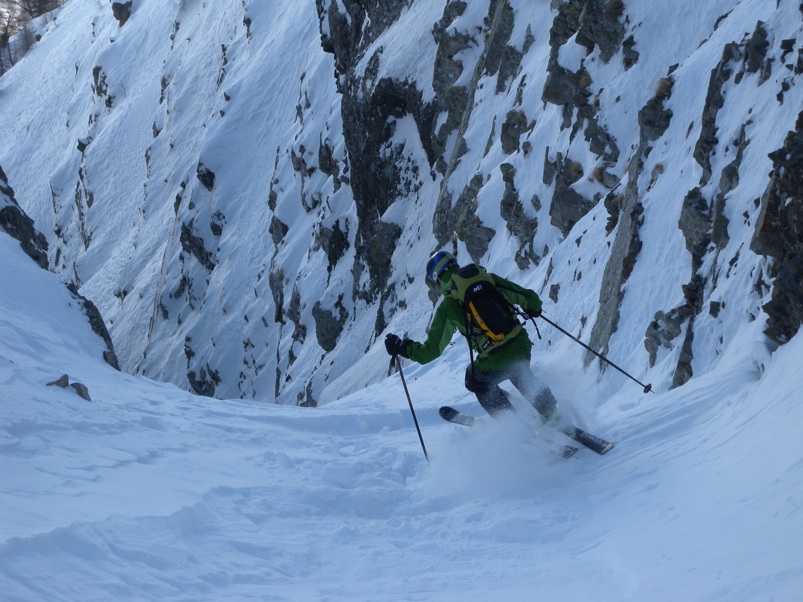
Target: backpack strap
x,y
467,326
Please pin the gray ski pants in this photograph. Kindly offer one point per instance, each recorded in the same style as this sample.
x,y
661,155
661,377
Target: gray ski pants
x,y
485,385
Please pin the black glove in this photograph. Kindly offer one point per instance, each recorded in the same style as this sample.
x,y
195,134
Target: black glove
x,y
533,313
395,345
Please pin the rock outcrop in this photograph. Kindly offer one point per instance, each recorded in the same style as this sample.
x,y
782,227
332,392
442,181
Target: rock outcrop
x,y
16,223
779,234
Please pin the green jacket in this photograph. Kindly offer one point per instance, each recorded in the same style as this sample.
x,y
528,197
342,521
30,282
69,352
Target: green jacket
x,y
449,317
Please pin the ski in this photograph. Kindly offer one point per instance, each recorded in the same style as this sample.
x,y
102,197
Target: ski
x,y
592,442
457,417
449,414
567,451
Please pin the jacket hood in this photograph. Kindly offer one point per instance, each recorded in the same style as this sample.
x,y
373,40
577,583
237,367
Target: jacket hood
x,y
446,280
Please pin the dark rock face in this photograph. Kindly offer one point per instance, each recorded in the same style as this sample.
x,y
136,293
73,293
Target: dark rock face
x,y
596,25
695,223
329,323
631,55
653,118
514,126
704,223
600,27
376,176
568,206
501,59
18,225
779,234
205,176
748,57
497,58
370,106
518,222
122,11
447,70
15,222
756,49
278,230
98,326
562,87
714,101
368,109
463,220
363,22
728,181
335,242
194,245
664,329
276,283
205,382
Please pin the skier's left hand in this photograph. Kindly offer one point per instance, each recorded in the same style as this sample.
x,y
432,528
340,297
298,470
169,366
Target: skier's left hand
x,y
395,345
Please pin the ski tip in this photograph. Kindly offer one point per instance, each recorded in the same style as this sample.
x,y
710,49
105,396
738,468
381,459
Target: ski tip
x,y
447,413
569,451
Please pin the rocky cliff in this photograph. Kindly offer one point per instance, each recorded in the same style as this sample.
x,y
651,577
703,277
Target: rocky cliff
x,y
250,193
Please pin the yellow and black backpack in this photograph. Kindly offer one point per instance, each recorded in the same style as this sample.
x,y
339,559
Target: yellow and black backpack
x,y
490,319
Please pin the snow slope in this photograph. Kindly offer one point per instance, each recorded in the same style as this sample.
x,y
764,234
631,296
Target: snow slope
x,y
150,493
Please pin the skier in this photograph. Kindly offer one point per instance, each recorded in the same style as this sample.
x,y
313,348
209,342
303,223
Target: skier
x,y
479,304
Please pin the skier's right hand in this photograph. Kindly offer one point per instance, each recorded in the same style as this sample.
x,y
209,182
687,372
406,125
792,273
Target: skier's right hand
x,y
395,345
532,313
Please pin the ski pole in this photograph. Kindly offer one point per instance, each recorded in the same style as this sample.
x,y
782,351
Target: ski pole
x,y
526,317
412,411
647,388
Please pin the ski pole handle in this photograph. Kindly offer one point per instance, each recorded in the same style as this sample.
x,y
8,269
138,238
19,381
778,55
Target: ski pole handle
x,y
526,317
